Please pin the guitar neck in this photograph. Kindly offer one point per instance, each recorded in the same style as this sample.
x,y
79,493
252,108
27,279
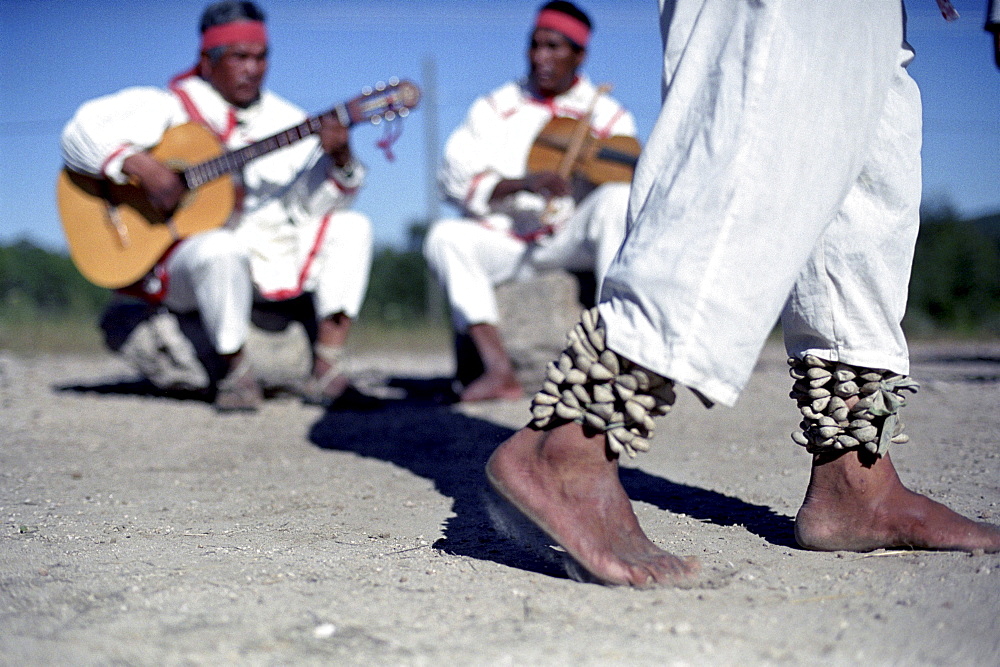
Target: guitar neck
x,y
231,161
375,105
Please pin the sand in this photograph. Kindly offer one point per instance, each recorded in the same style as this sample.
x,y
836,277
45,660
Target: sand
x,y
147,530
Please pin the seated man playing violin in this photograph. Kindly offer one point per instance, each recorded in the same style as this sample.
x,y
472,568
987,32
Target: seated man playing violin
x,y
290,233
520,218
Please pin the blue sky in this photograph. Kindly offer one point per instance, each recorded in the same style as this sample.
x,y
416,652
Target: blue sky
x,y
60,54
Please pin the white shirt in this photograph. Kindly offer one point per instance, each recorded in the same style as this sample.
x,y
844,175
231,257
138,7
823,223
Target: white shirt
x,y
494,141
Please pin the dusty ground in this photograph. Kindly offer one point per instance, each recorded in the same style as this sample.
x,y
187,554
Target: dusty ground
x,y
146,530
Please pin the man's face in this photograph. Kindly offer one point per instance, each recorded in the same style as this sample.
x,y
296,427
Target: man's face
x,y
239,73
552,61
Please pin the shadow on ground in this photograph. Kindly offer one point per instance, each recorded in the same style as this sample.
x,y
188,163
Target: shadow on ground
x,y
423,434
135,387
974,368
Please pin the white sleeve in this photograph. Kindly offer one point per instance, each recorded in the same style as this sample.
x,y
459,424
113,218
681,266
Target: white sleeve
x,y
624,126
614,120
306,180
467,175
324,187
106,130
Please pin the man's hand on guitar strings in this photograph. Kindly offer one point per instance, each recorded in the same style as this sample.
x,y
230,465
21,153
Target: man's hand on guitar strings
x,y
335,140
162,185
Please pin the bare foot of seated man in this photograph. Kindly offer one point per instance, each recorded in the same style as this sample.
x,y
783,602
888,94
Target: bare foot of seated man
x,y
498,381
493,386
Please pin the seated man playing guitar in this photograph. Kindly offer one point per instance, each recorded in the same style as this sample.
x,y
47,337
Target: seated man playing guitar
x,y
290,232
521,218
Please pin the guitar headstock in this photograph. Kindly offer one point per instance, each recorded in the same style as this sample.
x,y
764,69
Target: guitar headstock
x,y
384,101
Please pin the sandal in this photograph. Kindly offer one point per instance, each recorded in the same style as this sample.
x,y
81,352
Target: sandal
x,y
328,387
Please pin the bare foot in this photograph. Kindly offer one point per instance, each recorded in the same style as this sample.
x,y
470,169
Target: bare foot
x,y
493,386
856,502
564,482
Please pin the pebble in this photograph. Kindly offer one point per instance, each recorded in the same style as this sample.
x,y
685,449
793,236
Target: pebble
x,y
324,630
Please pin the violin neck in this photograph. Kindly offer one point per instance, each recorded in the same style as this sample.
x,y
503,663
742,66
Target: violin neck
x,y
621,157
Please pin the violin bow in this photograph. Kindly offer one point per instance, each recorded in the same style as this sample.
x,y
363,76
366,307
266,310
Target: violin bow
x,y
574,147
580,134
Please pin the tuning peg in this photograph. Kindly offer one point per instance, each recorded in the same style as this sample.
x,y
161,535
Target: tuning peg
x,y
380,86
404,112
367,90
394,81
389,115
376,120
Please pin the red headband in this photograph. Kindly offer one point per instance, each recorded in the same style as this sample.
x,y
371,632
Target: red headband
x,y
252,32
575,29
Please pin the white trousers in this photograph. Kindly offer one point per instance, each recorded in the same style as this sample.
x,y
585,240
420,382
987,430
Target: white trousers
x,y
471,259
782,178
211,273
339,278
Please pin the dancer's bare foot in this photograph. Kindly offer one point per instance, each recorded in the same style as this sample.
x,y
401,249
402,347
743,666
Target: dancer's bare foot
x,y
567,485
493,386
856,502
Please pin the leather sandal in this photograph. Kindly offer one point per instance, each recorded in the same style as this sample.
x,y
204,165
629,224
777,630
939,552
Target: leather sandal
x,y
239,391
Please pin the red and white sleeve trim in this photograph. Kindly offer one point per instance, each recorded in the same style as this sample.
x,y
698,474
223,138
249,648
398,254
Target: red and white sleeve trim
x,y
112,166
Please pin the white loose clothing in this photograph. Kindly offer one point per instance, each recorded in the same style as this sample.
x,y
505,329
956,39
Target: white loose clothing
x,y
492,243
290,228
782,178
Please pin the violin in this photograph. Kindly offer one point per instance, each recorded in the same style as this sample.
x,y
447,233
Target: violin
x,y
566,146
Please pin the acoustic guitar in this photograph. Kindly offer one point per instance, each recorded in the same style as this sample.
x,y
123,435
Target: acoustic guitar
x,y
116,236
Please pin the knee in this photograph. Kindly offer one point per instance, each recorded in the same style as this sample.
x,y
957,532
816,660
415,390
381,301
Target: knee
x,y
614,195
356,225
438,243
611,206
218,248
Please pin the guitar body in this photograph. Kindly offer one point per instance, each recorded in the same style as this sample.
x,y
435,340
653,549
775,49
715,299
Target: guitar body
x,y
115,237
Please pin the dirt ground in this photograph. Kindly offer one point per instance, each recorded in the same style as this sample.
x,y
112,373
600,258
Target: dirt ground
x,y
146,530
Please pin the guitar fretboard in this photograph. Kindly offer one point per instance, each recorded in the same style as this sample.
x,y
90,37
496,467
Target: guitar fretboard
x,y
231,161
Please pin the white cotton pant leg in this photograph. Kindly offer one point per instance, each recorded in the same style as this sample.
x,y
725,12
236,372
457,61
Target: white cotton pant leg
x,y
210,273
783,168
341,269
591,237
471,259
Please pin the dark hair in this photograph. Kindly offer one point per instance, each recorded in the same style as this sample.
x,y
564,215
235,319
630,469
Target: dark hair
x,y
569,9
229,11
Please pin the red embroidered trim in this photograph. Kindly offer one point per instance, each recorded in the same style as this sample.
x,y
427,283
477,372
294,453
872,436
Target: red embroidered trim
x,y
195,115
473,186
605,131
118,151
292,292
